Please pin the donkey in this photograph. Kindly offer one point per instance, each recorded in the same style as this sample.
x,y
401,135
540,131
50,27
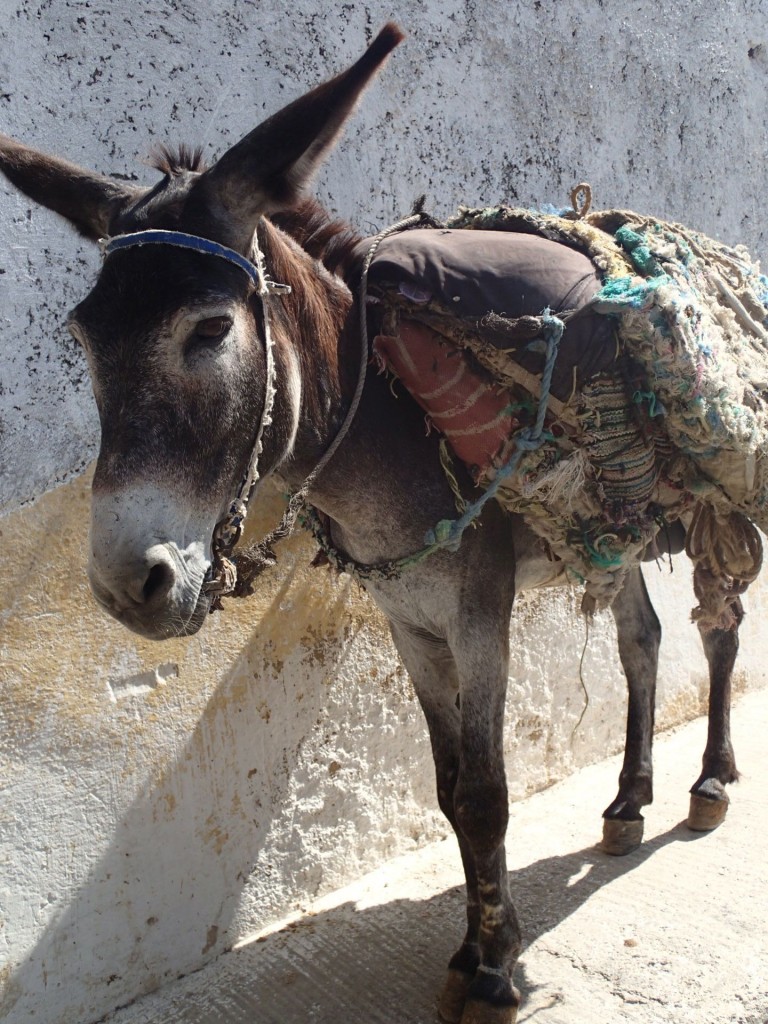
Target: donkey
x,y
197,360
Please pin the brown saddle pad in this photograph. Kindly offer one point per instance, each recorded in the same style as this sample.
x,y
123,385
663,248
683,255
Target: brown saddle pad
x,y
477,273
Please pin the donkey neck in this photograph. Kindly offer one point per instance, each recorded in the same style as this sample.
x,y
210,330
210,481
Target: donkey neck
x,y
384,487
317,347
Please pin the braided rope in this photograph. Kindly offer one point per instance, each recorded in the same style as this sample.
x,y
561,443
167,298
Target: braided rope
x,y
234,576
251,562
221,577
449,532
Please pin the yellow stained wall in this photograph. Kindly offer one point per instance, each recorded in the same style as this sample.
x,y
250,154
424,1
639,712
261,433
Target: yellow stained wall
x,y
161,801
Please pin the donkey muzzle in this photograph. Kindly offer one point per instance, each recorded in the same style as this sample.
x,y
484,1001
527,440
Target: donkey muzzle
x,y
148,561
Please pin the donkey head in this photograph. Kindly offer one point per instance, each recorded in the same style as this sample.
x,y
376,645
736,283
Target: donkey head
x,y
175,344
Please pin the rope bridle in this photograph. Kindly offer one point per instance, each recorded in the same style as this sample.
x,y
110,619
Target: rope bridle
x,y
226,575
222,575
251,562
235,575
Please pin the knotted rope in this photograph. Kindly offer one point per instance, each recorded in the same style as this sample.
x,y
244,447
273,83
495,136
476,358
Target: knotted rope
x,y
727,554
448,533
245,567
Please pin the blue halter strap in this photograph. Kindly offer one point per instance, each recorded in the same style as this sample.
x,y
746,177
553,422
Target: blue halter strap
x,y
183,241
222,575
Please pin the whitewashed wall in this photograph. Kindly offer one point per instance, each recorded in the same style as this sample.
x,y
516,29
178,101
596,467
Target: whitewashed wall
x,y
161,802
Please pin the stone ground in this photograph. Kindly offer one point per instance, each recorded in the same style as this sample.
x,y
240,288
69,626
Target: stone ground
x,y
674,933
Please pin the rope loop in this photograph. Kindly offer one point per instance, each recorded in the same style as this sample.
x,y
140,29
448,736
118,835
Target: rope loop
x,y
581,199
235,577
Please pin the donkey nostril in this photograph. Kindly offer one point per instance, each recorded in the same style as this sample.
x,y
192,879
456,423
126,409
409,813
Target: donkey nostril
x,y
158,582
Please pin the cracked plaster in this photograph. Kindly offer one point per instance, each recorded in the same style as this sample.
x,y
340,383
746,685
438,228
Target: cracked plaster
x,y
281,752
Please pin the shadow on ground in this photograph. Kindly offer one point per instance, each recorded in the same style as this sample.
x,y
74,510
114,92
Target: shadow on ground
x,y
383,964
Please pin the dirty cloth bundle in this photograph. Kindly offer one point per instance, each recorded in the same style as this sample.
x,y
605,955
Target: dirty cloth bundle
x,y
658,407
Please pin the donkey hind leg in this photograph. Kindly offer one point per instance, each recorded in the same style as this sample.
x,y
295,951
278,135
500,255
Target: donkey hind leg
x,y
709,801
478,987
639,636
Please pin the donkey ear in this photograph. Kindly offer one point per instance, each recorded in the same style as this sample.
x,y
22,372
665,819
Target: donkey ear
x,y
269,169
88,201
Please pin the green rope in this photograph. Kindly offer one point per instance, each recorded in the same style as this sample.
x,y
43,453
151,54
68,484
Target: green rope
x,y
448,533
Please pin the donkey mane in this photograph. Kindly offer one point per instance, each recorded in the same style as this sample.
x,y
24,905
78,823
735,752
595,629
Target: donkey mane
x,y
332,241
174,161
315,307
335,245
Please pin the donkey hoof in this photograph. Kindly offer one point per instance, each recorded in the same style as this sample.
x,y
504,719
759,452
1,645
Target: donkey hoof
x,y
450,1005
477,1011
621,837
705,814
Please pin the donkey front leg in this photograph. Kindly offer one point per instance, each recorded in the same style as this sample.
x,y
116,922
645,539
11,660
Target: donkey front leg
x,y
709,801
639,636
482,812
466,739
432,669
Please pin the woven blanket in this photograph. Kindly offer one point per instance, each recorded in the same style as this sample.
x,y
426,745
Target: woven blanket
x,y
657,410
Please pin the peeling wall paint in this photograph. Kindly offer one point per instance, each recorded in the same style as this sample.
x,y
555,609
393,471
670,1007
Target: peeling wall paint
x,y
161,802
661,107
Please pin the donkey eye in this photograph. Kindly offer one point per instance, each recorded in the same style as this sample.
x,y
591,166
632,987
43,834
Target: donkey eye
x,y
212,330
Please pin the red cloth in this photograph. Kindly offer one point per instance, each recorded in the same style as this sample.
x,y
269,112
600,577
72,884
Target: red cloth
x,y
473,414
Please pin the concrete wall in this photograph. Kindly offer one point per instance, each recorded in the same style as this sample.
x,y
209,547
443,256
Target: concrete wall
x,y
160,803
